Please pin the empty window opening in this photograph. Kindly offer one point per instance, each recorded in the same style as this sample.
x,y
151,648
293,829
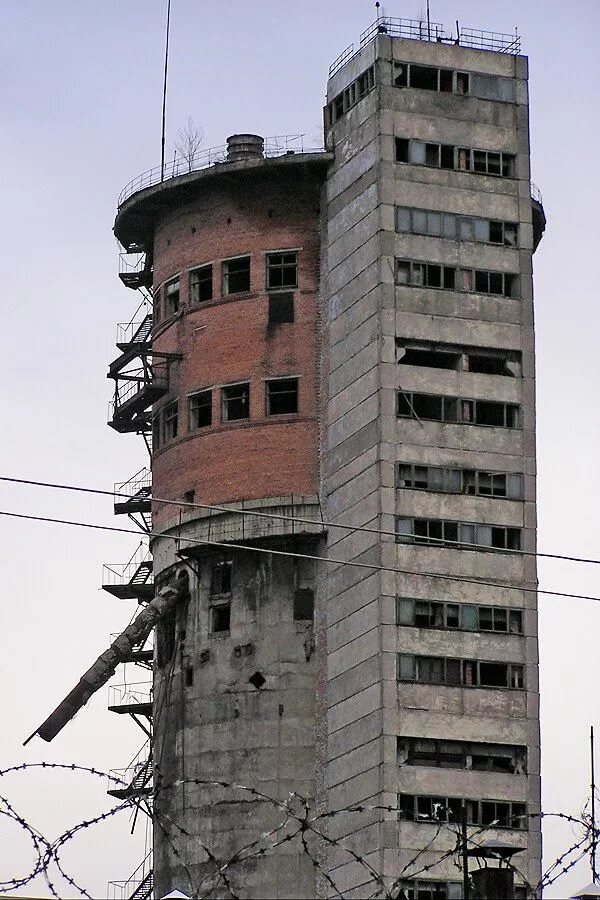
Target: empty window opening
x,y
424,77
435,359
469,535
235,402
282,396
220,616
220,580
448,156
453,409
351,95
400,74
304,604
189,676
165,638
201,285
499,813
200,410
281,308
462,83
236,275
282,270
432,155
172,297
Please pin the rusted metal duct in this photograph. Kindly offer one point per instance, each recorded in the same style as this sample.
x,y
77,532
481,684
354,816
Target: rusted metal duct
x,y
97,675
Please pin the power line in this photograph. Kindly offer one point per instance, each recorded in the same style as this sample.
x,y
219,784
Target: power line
x,y
431,541
227,545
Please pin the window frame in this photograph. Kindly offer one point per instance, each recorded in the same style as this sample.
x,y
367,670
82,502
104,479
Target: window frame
x,y
455,220
464,479
406,616
270,382
458,410
195,286
225,400
282,267
191,408
226,275
169,414
433,532
469,672
466,155
422,274
172,288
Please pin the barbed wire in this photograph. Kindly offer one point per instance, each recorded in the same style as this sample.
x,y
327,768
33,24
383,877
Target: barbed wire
x,y
298,821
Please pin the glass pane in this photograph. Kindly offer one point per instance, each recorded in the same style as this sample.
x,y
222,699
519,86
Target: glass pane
x,y
515,621
470,618
465,229
402,219
402,272
514,486
482,230
449,225
419,222
416,152
404,530
434,223
406,667
435,478
453,667
404,611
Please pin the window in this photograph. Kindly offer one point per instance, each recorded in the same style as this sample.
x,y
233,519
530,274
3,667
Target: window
x,y
172,297
304,604
170,421
448,356
281,308
425,889
235,402
200,410
453,409
351,95
282,396
438,532
434,275
498,813
201,285
428,78
220,578
459,672
464,616
477,756
236,275
449,225
282,270
220,617
447,156
458,481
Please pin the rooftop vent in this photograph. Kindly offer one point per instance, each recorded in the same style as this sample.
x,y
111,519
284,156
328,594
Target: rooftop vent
x,y
244,146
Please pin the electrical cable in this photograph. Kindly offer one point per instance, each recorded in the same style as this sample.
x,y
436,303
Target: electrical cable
x,y
249,548
431,541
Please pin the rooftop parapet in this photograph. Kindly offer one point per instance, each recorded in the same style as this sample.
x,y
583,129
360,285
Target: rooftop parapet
x,y
421,30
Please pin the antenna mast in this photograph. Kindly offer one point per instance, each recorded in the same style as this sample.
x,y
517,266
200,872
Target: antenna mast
x,y
428,22
593,805
164,103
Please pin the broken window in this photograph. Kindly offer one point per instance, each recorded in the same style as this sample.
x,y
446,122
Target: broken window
x,y
400,74
281,308
282,396
443,531
453,409
478,756
220,617
424,77
433,275
351,95
172,297
459,672
201,285
462,83
235,402
236,275
282,270
200,410
448,156
402,150
220,578
170,421
499,813
426,889
434,359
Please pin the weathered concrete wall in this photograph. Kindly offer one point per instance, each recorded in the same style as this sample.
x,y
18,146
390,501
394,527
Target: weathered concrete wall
x,y
367,709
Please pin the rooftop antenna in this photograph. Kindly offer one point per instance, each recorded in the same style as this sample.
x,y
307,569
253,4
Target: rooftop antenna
x,y
377,5
428,23
593,805
164,103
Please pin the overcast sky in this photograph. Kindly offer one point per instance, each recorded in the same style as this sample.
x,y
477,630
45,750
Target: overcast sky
x,y
80,95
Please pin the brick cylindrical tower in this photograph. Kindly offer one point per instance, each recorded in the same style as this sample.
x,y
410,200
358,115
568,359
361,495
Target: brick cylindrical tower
x,y
235,372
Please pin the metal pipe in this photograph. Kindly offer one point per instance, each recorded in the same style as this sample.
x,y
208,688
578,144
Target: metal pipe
x,y
593,805
164,102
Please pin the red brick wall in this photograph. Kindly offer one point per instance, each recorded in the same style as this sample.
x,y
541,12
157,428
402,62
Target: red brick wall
x,y
228,340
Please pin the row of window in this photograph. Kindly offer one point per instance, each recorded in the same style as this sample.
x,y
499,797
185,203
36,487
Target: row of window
x,y
434,408
450,156
351,95
494,813
469,535
470,755
428,889
458,616
281,398
449,81
474,482
481,360
456,227
451,278
281,274
460,672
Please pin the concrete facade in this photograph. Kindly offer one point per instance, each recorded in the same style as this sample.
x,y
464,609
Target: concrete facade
x,y
412,346
369,317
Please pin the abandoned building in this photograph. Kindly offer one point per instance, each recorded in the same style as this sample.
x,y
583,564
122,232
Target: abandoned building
x,y
334,376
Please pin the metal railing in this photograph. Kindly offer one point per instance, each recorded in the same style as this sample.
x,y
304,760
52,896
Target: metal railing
x,y
127,331
141,481
130,694
137,768
420,30
278,145
122,573
122,890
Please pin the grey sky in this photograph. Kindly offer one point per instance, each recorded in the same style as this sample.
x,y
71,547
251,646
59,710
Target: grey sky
x,y
80,97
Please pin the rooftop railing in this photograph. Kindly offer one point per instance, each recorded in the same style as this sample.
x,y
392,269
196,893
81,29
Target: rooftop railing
x,y
130,694
421,30
279,145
